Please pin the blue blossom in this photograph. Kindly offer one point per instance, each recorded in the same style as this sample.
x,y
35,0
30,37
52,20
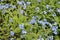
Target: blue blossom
x,y
28,3
11,38
54,15
6,6
55,32
39,0
1,7
45,12
32,21
24,32
50,10
12,33
34,17
48,6
24,6
21,26
58,10
21,11
20,2
50,37
54,29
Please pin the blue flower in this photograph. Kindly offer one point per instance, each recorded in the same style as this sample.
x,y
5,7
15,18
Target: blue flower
x,y
48,6
1,7
24,32
6,6
21,11
39,0
12,33
21,26
32,21
24,6
58,10
45,12
28,3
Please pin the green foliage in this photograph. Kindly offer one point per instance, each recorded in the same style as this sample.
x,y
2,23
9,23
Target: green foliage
x,y
11,18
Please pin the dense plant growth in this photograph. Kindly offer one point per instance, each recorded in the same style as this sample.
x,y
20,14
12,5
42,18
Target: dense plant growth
x,y
29,19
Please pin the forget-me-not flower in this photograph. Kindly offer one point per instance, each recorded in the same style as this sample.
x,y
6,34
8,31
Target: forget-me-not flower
x,y
21,26
12,33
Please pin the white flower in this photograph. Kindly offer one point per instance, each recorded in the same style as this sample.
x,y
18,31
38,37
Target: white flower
x,y
12,33
24,32
21,26
28,3
58,10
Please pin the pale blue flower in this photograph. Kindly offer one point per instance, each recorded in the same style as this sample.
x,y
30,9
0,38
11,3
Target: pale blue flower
x,y
54,15
50,10
21,26
58,10
21,11
24,6
6,6
1,7
48,6
55,32
50,37
38,0
45,12
32,21
11,38
24,32
28,3
20,2
45,20
11,33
